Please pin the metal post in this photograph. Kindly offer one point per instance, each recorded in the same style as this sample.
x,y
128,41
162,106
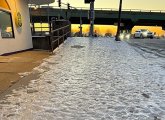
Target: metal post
x,y
119,22
41,29
80,28
91,18
58,38
33,27
63,35
48,11
81,23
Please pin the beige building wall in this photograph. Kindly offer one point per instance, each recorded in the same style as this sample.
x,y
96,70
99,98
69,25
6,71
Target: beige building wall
x,y
23,38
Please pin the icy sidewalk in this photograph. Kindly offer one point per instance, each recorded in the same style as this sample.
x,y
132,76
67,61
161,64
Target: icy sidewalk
x,y
92,79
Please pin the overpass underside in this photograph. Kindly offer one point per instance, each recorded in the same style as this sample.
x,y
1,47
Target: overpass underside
x,y
129,18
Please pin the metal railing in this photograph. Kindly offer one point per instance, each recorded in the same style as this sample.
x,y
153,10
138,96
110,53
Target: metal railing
x,y
58,36
51,38
40,31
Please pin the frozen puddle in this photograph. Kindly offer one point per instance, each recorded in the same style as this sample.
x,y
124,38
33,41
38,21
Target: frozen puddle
x,y
92,79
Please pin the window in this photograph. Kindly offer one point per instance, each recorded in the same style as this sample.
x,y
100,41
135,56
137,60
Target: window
x,y
6,26
143,30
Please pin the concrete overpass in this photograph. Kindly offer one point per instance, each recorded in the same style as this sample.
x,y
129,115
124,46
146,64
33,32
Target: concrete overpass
x,y
130,18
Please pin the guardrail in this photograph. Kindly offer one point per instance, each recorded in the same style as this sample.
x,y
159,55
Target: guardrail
x,y
103,9
56,34
59,35
40,30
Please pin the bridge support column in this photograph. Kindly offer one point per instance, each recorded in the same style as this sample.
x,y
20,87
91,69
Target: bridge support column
x,y
163,27
127,28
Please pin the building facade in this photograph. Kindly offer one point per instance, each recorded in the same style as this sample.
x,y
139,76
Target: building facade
x,y
15,33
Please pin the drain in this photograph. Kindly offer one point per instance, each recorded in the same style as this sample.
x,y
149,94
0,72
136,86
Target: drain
x,y
77,46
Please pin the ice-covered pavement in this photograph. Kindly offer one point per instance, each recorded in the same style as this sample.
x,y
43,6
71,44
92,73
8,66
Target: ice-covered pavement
x,y
92,79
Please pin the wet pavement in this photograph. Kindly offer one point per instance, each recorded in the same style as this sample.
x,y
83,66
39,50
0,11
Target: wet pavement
x,y
14,66
92,79
154,46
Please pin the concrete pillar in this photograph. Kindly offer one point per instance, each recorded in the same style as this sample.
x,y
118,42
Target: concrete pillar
x,y
127,28
80,27
163,27
126,31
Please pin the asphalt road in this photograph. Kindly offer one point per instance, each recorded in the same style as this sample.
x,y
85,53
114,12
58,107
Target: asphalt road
x,y
155,46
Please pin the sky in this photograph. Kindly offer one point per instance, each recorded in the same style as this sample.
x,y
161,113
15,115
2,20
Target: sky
x,y
127,4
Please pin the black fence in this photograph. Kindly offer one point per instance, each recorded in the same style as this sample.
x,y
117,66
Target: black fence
x,y
59,31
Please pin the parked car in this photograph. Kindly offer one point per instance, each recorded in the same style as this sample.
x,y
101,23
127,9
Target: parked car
x,y
144,33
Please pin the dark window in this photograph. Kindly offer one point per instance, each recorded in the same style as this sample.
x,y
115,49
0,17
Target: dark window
x,y
143,30
6,26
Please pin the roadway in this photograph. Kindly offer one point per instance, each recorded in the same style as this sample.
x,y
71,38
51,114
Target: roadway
x,y
155,46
